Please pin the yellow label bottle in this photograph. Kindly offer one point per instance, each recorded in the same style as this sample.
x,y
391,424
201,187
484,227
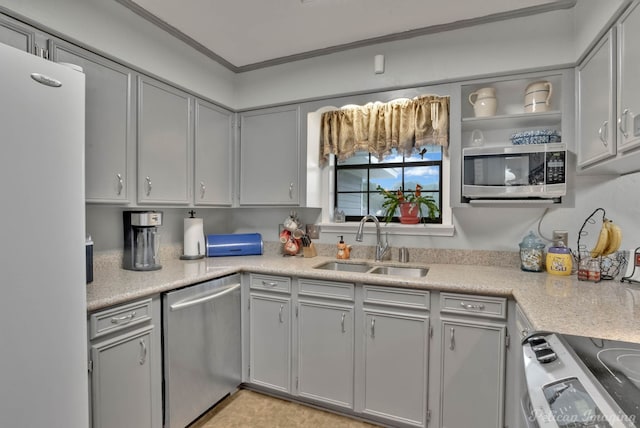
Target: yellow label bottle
x,y
559,261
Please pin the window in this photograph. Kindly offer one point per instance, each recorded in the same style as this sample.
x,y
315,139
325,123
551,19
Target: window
x,y
357,179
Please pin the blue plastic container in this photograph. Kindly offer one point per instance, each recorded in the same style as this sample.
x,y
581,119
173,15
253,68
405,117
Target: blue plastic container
x,y
235,244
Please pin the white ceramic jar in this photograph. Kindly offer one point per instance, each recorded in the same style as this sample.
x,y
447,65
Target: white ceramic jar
x,y
537,97
484,102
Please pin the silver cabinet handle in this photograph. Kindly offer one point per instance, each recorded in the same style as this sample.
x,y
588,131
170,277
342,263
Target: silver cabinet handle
x,y
373,327
125,319
149,186
203,189
143,352
479,307
603,132
291,190
622,122
269,283
280,314
120,183
342,322
452,340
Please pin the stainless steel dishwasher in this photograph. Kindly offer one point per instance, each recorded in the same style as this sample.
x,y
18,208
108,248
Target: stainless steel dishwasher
x,y
202,347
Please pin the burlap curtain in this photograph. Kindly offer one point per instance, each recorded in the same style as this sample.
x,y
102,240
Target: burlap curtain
x,y
380,127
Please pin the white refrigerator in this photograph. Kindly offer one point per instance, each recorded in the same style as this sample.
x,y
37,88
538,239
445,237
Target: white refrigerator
x,y
43,351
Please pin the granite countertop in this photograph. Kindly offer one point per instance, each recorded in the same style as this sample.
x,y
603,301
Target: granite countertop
x,y
608,309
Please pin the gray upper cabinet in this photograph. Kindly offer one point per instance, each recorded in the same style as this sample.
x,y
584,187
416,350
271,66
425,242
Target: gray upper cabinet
x,y
108,122
608,104
269,156
15,34
213,155
596,104
629,78
164,136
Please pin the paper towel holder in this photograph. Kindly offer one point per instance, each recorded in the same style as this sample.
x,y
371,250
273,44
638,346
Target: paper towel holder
x,y
201,251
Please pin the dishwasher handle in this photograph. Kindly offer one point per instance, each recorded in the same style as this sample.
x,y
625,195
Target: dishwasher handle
x,y
203,299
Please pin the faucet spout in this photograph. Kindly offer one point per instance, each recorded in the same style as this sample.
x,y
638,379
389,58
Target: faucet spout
x,y
381,248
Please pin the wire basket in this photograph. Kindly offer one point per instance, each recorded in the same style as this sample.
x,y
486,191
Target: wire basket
x,y
610,266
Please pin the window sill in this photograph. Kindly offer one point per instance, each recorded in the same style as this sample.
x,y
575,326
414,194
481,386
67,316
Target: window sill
x,y
392,228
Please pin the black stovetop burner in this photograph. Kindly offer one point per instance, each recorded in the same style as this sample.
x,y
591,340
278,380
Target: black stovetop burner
x,y
616,365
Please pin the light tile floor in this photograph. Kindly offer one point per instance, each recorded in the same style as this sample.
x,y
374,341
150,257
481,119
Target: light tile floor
x,y
249,409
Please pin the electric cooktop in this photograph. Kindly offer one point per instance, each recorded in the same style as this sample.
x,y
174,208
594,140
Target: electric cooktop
x,y
616,365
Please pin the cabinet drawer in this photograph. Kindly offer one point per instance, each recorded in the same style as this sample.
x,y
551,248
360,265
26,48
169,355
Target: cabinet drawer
x,y
402,297
328,289
478,306
281,284
119,318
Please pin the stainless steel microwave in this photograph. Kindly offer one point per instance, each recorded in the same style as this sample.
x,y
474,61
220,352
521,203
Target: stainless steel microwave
x,y
533,171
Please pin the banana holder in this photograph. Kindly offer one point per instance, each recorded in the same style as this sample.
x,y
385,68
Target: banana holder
x,y
605,250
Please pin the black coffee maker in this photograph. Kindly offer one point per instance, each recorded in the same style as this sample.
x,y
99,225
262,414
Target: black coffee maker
x,y
141,240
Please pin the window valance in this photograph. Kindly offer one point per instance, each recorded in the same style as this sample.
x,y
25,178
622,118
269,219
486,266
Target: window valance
x,y
380,127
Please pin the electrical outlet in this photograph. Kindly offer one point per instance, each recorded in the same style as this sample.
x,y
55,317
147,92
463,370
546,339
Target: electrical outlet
x,y
313,231
561,235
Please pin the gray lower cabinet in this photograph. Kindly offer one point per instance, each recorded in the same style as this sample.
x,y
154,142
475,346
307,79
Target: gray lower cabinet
x,y
125,375
472,361
269,156
270,332
213,155
325,341
394,364
109,142
164,143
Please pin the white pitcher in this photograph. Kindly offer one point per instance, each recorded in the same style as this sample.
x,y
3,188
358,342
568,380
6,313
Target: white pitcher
x,y
485,103
537,97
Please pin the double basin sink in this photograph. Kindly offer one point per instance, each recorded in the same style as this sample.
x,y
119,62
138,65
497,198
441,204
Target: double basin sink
x,y
364,267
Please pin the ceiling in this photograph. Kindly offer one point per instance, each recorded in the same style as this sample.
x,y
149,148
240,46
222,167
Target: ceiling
x,y
249,34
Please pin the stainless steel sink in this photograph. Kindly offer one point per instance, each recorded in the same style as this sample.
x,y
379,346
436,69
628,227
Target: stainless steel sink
x,y
400,271
345,267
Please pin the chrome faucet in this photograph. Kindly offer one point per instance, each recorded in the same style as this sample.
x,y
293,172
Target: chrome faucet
x,y
381,249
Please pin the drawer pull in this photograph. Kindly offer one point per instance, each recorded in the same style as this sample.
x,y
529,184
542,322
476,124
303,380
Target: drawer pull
x,y
342,322
373,327
269,283
280,314
469,306
125,319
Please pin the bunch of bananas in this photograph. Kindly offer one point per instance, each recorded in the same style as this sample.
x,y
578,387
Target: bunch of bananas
x,y
609,239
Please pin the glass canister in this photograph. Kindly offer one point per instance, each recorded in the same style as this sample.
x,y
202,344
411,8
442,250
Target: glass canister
x,y
531,253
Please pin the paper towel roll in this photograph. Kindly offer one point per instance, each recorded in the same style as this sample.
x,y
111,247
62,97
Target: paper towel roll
x,y
194,238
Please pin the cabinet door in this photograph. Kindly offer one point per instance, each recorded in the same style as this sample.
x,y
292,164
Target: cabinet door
x,y
269,157
395,366
325,353
164,136
270,342
629,78
122,381
15,34
596,104
108,119
213,155
472,375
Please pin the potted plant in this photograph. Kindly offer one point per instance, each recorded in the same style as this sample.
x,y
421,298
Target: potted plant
x,y
410,205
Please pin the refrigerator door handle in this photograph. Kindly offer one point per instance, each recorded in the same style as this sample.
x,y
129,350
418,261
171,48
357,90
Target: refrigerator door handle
x,y
204,299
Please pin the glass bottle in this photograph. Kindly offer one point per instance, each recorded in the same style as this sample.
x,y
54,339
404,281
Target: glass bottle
x,y
531,253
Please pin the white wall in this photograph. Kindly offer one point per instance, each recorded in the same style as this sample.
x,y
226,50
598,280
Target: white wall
x,y
518,44
113,29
